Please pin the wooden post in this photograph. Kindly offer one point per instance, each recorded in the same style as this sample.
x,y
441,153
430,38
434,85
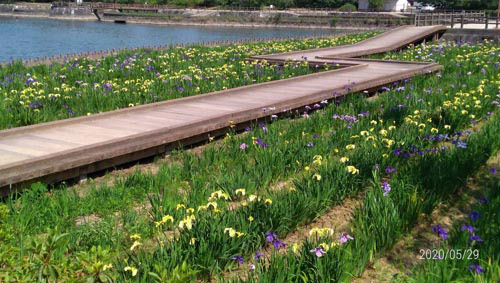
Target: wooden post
x,y
498,13
462,21
486,22
452,20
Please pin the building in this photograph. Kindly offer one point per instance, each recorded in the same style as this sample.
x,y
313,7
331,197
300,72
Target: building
x,y
389,5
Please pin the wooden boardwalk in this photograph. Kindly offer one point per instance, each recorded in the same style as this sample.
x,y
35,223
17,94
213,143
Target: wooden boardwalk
x,y
74,147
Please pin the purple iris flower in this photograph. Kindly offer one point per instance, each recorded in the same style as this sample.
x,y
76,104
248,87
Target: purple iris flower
x,y
270,236
390,170
474,216
239,259
468,228
475,238
345,237
319,252
243,146
460,144
483,200
310,144
476,268
278,244
440,231
387,188
258,255
493,171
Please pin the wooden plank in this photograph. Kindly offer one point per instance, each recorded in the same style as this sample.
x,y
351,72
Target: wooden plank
x,y
70,135
10,156
123,124
32,142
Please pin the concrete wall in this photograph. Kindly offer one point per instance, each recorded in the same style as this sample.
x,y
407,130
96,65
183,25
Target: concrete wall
x,y
25,9
68,11
363,5
472,35
389,5
45,10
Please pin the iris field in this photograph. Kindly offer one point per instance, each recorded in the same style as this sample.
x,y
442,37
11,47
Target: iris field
x,y
226,213
82,87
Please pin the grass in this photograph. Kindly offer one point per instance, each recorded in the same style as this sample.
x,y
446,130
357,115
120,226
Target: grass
x,y
183,222
468,260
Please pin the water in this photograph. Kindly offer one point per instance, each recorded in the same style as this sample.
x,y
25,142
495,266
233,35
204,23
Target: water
x,y
25,38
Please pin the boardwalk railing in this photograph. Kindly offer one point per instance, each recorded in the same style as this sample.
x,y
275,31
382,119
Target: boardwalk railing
x,y
456,20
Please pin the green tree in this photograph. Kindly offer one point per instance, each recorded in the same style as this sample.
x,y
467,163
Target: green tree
x,y
377,4
186,3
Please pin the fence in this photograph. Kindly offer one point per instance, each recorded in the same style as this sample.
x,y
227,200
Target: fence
x,y
456,20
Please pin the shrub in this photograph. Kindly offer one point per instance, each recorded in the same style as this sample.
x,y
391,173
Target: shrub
x,y
348,8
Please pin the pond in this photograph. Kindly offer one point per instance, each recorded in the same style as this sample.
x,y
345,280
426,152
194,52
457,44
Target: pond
x,y
26,37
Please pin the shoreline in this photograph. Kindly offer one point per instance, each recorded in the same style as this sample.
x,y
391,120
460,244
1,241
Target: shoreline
x,y
44,16
242,25
182,23
95,55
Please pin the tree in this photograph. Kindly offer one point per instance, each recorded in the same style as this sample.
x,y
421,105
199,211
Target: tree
x,y
186,3
377,4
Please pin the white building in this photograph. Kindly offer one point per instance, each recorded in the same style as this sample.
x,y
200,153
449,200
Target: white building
x,y
389,5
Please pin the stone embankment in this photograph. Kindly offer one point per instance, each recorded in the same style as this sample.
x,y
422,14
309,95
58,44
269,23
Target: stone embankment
x,y
46,10
220,17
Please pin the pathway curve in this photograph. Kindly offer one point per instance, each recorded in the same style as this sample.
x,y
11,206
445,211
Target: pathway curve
x,y
74,147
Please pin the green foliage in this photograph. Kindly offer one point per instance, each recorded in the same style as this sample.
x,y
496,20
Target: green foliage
x,y
185,3
283,4
182,274
348,8
485,254
376,4
405,115
48,255
97,265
